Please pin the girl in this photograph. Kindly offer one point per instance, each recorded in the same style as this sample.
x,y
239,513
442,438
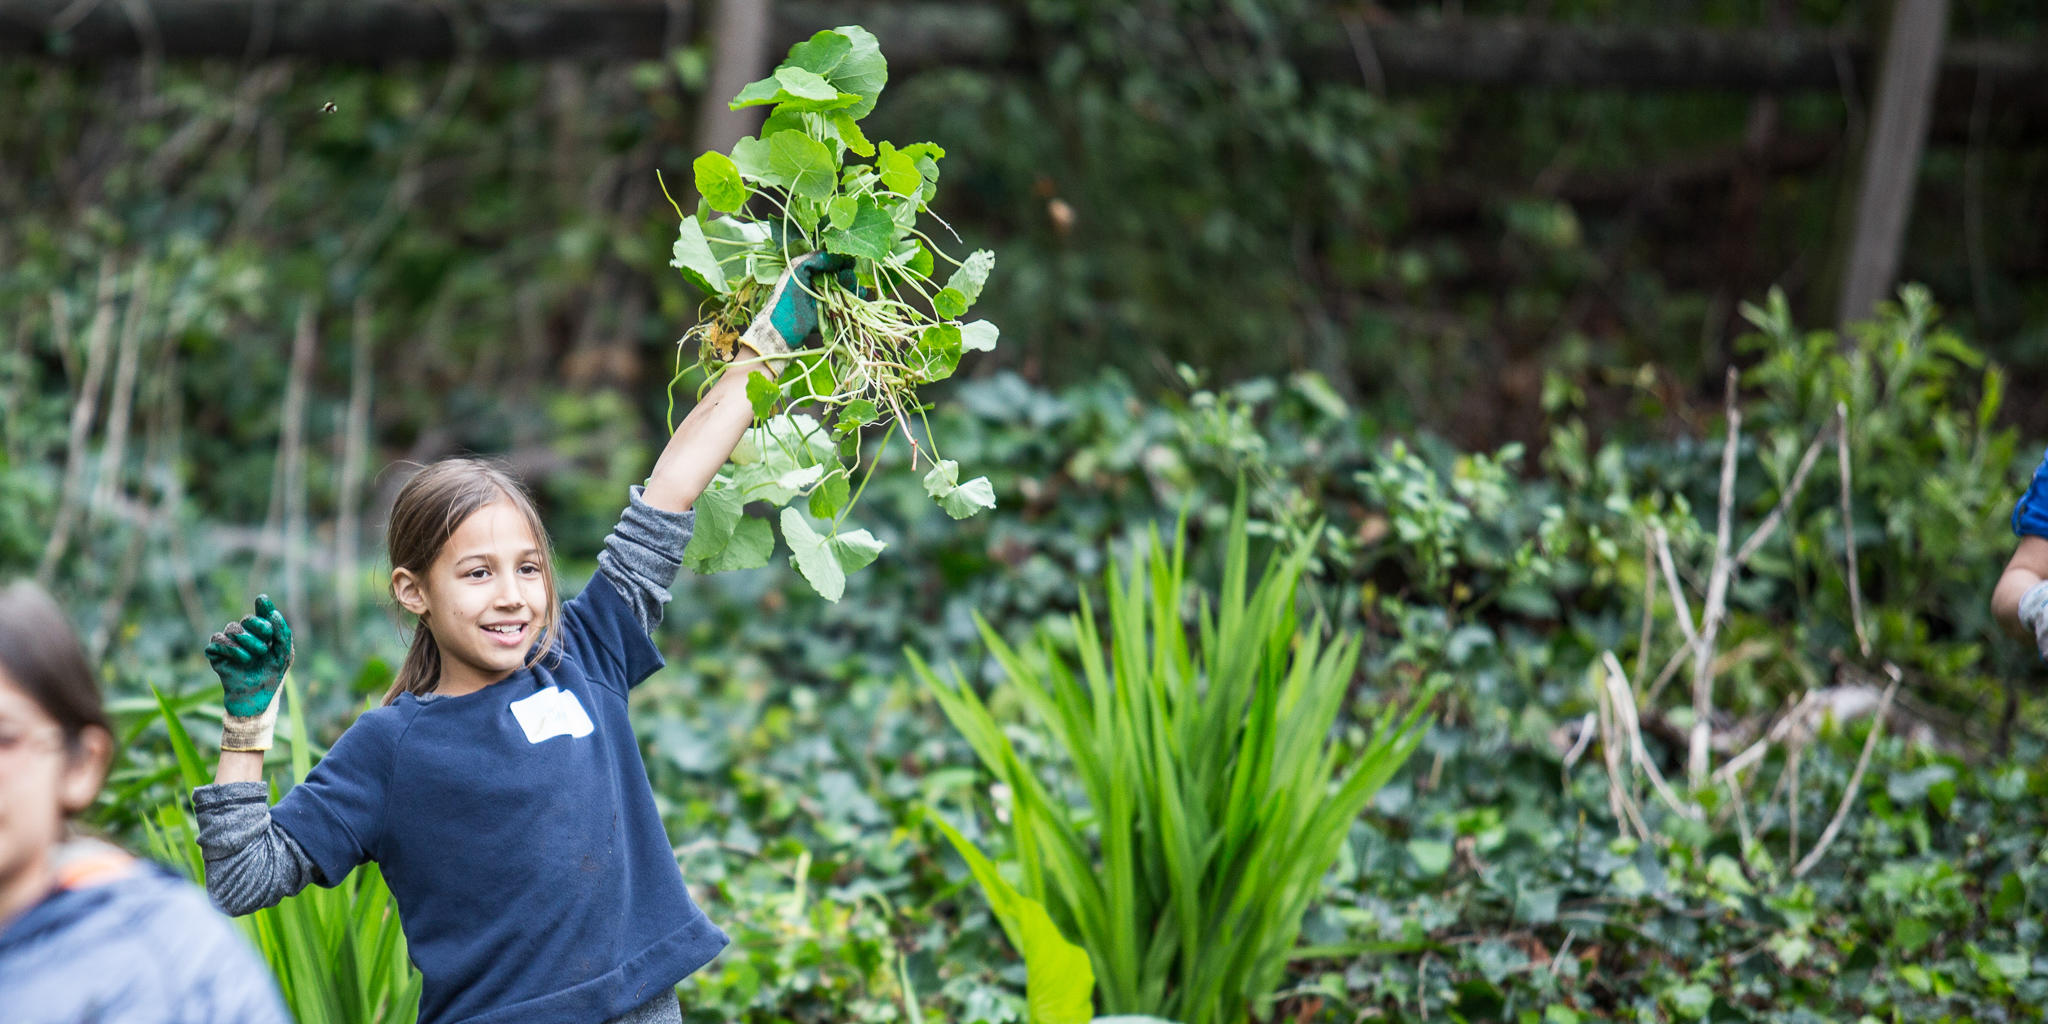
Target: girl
x,y
87,932
500,787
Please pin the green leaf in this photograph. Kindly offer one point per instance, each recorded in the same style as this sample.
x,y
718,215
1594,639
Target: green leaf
x,y
724,537
718,181
694,258
943,477
862,70
898,170
1432,856
1911,933
743,248
784,119
761,394
1059,981
849,132
937,351
949,303
855,549
958,499
870,235
805,85
970,498
925,157
778,459
920,262
750,158
756,93
978,336
793,482
972,274
839,212
824,562
821,53
795,89
1692,1000
804,163
829,497
853,416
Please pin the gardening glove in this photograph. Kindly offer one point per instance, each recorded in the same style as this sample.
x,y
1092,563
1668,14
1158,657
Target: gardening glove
x,y
791,314
2034,615
251,657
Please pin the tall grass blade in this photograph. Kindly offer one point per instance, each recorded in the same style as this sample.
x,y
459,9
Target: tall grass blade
x,y
1201,792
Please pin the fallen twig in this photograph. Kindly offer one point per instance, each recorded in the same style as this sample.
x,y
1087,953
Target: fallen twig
x,y
1827,835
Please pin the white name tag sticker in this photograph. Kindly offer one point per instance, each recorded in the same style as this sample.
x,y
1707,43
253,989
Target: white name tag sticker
x,y
550,713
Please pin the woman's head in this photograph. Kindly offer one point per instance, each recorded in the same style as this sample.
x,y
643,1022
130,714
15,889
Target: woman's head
x,y
470,557
54,739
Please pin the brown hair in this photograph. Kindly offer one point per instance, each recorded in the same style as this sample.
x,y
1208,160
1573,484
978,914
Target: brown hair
x,y
426,513
42,655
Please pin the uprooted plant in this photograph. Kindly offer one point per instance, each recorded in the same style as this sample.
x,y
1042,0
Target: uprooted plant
x,y
799,187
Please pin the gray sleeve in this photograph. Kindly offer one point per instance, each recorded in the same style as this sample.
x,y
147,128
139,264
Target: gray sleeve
x,y
642,554
251,862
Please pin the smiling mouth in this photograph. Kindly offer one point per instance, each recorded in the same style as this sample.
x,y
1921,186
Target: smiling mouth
x,y
508,635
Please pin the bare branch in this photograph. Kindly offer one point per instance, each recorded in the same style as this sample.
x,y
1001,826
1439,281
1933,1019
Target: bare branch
x,y
1622,695
1678,601
1849,528
1717,599
1827,835
98,336
1771,522
355,441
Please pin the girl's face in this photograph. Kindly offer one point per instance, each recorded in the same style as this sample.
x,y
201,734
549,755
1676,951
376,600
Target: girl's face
x,y
485,597
42,781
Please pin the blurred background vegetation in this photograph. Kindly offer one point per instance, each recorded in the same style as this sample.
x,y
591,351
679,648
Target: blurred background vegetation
x,y
1459,321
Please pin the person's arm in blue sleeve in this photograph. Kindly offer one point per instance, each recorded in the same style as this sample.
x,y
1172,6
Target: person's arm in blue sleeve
x,y
2019,601
642,555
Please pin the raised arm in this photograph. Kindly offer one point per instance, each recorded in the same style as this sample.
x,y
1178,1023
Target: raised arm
x,y
707,436
250,657
250,862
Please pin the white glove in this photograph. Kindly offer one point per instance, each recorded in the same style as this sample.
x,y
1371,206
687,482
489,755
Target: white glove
x,y
2034,615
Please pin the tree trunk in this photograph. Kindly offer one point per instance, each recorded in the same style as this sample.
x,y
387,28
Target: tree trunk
x,y
740,54
1891,158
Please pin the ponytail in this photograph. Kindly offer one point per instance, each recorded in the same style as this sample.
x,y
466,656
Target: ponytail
x,y
421,673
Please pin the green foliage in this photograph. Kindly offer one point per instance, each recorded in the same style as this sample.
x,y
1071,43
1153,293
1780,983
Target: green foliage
x,y
1205,774
1931,482
338,953
1059,984
877,350
1485,880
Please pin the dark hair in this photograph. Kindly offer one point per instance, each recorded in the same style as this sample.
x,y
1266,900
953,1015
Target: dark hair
x,y
425,514
42,655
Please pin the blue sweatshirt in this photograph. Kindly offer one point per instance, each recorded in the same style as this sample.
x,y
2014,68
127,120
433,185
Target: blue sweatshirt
x,y
518,832
122,941
2030,513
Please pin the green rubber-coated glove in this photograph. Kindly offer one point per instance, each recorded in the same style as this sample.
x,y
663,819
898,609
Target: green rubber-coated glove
x,y
791,315
251,657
